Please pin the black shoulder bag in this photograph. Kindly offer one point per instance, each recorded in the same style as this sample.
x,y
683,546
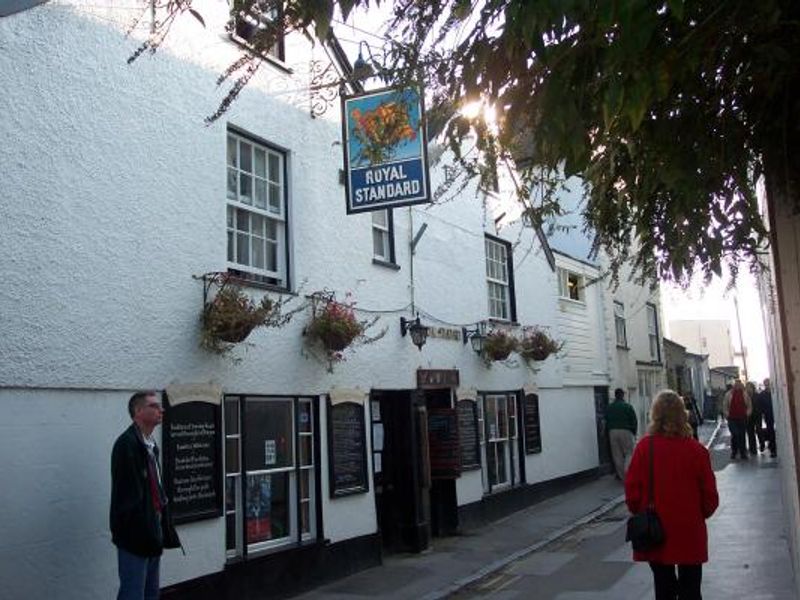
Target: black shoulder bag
x,y
644,530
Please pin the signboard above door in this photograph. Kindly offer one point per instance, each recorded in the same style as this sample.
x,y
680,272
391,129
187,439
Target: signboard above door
x,y
436,378
385,150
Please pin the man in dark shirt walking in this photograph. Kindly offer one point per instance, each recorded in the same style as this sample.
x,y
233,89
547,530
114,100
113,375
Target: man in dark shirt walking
x,y
622,425
140,524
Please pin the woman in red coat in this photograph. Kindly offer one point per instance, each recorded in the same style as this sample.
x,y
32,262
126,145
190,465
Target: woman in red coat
x,y
685,493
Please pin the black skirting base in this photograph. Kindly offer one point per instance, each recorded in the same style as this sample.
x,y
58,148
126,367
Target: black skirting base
x,y
282,574
496,506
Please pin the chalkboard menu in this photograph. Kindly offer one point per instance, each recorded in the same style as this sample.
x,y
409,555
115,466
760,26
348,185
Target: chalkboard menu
x,y
347,449
468,434
192,460
444,448
533,434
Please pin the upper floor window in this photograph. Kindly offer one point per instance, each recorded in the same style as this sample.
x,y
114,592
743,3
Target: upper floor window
x,y
652,331
500,279
247,24
619,324
383,236
570,285
256,211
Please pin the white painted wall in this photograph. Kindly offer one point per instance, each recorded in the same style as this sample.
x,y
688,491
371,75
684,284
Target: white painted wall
x,y
705,336
113,192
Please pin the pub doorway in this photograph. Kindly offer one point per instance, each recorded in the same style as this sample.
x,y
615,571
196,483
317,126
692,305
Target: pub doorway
x,y
603,448
445,460
400,469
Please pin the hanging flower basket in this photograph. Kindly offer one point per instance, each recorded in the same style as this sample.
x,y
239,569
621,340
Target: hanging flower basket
x,y
537,345
498,345
231,316
335,325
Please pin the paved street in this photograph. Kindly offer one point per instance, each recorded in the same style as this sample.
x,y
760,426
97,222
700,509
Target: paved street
x,y
748,549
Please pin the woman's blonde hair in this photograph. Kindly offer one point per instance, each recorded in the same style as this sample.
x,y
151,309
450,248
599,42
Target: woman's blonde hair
x,y
668,415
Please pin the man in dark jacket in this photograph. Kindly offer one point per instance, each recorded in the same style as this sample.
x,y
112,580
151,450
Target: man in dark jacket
x,y
140,524
764,402
621,424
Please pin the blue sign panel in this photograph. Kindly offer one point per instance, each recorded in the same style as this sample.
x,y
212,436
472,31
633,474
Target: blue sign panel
x,y
385,150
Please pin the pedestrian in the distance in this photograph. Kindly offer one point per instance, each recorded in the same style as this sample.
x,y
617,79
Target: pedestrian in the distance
x,y
621,424
684,496
140,523
737,406
695,418
764,401
755,435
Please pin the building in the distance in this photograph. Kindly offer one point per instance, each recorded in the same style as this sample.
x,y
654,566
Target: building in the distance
x,y
705,336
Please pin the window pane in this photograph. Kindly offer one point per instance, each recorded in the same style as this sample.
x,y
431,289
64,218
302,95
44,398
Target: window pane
x,y
230,493
242,220
379,243
231,244
502,417
305,479
231,417
268,434
232,455
274,168
257,224
230,532
232,184
261,193
267,507
243,249
272,257
306,455
261,163
259,251
231,151
275,198
305,525
246,157
379,217
245,188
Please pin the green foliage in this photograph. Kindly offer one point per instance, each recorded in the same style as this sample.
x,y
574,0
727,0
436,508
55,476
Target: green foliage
x,y
230,317
669,112
335,325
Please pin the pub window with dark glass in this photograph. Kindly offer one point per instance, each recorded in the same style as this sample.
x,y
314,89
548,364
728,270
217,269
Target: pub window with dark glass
x,y
270,479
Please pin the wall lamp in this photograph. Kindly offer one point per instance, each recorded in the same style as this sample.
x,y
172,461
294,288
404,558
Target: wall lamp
x,y
476,337
418,331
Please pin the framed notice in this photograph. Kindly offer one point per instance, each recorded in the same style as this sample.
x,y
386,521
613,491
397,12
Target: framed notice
x,y
468,435
192,462
385,150
347,449
532,425
443,444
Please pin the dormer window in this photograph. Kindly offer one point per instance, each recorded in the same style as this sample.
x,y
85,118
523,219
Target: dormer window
x,y
247,24
571,285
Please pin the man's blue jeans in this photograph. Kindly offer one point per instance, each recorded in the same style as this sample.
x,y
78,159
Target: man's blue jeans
x,y
138,576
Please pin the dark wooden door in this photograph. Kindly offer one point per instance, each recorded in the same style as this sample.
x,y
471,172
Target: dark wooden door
x,y
600,406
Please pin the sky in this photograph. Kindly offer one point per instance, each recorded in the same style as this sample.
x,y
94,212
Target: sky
x,y
713,302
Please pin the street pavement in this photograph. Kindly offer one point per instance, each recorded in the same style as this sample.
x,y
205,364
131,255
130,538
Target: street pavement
x,y
571,547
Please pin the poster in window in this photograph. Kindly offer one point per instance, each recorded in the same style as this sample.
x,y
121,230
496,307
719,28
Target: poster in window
x,y
347,449
533,434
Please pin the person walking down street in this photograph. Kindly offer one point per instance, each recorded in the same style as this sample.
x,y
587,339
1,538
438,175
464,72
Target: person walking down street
x,y
622,425
764,402
737,407
755,435
695,418
140,524
684,496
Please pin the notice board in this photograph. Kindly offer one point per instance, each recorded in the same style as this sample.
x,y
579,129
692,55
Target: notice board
x,y
443,443
468,435
347,449
533,433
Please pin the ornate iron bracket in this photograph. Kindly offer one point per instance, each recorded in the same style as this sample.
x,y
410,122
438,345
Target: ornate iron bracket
x,y
324,87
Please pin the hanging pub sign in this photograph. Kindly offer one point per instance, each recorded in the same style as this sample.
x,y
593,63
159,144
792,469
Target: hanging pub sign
x,y
385,150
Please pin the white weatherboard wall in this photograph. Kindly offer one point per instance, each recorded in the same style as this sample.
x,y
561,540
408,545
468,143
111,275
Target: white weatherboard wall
x,y
113,200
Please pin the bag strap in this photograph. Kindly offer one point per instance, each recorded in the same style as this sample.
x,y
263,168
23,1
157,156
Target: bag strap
x,y
651,496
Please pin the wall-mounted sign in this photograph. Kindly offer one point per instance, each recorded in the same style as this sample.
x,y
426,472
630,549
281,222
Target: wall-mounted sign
x,y
385,150
443,443
437,378
468,435
532,424
445,333
347,449
192,454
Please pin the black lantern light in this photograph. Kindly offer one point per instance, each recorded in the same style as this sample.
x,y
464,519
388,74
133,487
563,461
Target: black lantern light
x,y
363,69
418,331
475,337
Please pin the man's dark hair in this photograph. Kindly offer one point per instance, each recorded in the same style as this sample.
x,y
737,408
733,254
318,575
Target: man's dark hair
x,y
619,394
138,399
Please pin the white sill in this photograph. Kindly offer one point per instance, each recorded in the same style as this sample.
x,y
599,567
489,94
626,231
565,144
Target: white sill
x,y
571,301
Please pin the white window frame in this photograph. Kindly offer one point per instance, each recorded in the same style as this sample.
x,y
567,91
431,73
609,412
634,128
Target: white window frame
x,y
619,324
564,288
265,205
496,440
498,279
294,484
382,232
652,331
